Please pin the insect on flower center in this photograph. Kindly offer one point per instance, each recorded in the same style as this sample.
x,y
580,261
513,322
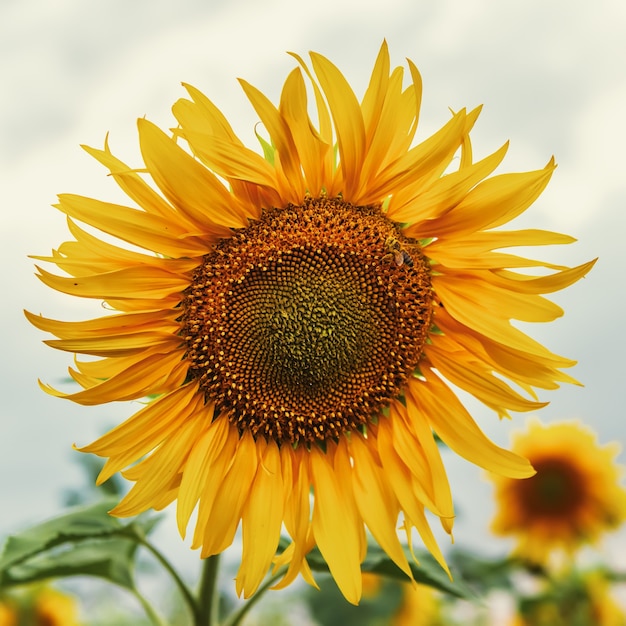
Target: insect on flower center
x,y
305,324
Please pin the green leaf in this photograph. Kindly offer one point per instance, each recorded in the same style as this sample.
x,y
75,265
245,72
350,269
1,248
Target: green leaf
x,y
109,559
614,576
485,574
82,522
329,607
85,541
428,572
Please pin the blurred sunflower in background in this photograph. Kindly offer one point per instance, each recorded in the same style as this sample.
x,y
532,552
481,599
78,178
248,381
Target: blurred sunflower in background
x,y
573,499
420,607
297,315
8,614
53,608
39,606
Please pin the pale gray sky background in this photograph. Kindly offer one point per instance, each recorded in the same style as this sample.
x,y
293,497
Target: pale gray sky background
x,y
551,76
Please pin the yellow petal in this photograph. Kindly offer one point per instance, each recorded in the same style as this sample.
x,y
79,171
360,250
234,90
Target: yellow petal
x,y
333,528
420,164
131,282
483,241
325,124
342,463
162,466
451,421
460,369
139,228
143,431
139,380
441,487
134,187
102,369
220,458
492,203
404,487
376,501
225,514
410,453
387,139
374,97
190,186
468,307
202,114
297,512
198,470
443,194
348,119
520,366
101,254
292,184
111,345
123,324
419,521
408,490
232,161
544,284
262,517
311,148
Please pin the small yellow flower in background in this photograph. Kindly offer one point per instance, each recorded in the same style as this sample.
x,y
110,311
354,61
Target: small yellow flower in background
x,y
371,584
298,323
39,606
574,497
420,607
8,614
583,599
53,608
604,609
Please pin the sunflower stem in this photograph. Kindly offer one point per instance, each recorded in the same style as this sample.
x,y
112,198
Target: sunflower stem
x,y
208,594
184,590
153,616
236,618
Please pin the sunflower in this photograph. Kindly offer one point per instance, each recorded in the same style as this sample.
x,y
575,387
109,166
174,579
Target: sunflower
x,y
296,315
573,498
8,614
420,607
39,606
53,608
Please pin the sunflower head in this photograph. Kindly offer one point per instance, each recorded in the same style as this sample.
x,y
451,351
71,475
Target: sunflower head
x,y
295,314
574,497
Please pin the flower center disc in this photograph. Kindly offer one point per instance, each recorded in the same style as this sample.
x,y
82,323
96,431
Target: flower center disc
x,y
305,324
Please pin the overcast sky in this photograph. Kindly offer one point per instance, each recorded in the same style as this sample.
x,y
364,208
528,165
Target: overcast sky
x,y
551,76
